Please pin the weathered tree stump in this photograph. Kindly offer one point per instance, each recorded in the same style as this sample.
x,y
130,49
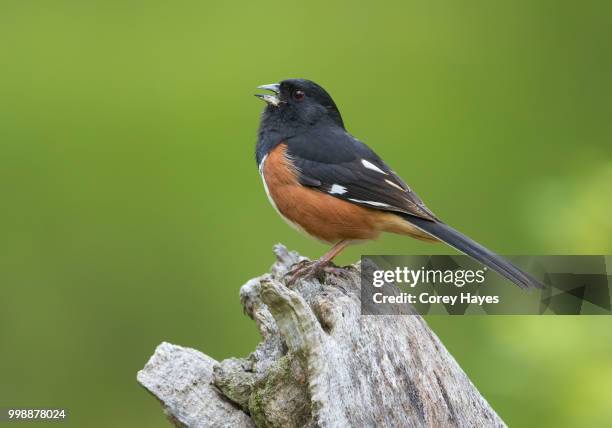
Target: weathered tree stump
x,y
321,363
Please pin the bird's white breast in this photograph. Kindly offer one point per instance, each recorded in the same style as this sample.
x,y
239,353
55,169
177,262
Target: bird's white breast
x,y
271,199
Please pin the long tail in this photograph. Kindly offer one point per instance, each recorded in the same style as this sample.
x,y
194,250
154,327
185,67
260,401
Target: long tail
x,y
473,249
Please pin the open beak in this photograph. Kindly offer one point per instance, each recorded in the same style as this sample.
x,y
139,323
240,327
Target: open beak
x,y
270,99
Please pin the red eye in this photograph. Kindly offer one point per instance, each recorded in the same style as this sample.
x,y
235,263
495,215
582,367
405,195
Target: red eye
x,y
299,95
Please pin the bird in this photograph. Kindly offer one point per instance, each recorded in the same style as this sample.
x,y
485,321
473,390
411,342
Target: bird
x,y
331,186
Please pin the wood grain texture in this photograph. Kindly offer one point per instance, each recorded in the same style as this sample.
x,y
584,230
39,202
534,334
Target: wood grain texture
x,y
181,379
321,363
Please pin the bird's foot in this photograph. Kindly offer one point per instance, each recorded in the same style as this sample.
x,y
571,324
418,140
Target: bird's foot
x,y
309,269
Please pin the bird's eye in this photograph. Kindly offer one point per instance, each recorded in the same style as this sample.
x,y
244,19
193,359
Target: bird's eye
x,y
299,95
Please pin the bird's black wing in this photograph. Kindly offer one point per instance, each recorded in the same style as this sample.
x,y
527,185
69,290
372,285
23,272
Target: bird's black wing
x,y
334,162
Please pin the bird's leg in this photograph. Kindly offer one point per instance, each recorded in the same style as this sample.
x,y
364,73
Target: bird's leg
x,y
323,264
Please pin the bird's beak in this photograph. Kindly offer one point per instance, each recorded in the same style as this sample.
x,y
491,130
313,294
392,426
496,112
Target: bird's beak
x,y
270,99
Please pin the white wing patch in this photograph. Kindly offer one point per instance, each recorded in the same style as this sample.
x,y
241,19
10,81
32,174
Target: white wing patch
x,y
373,203
370,165
337,189
391,183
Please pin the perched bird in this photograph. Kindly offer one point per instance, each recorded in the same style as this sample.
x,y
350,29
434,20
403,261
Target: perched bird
x,y
328,184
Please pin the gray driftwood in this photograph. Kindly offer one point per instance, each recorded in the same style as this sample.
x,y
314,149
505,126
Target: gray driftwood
x,y
320,363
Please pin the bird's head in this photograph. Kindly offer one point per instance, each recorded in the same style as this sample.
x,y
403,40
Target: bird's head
x,y
300,101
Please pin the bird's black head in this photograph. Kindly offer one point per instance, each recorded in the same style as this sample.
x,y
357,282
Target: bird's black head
x,y
299,102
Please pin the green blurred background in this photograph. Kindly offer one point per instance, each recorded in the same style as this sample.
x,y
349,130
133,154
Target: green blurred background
x,y
132,211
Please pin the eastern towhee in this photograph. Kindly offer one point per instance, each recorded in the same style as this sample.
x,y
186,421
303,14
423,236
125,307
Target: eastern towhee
x,y
331,186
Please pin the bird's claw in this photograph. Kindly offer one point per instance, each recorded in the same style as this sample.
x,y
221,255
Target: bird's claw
x,y
308,269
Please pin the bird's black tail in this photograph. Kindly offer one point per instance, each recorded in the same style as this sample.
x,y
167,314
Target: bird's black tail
x,y
473,249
